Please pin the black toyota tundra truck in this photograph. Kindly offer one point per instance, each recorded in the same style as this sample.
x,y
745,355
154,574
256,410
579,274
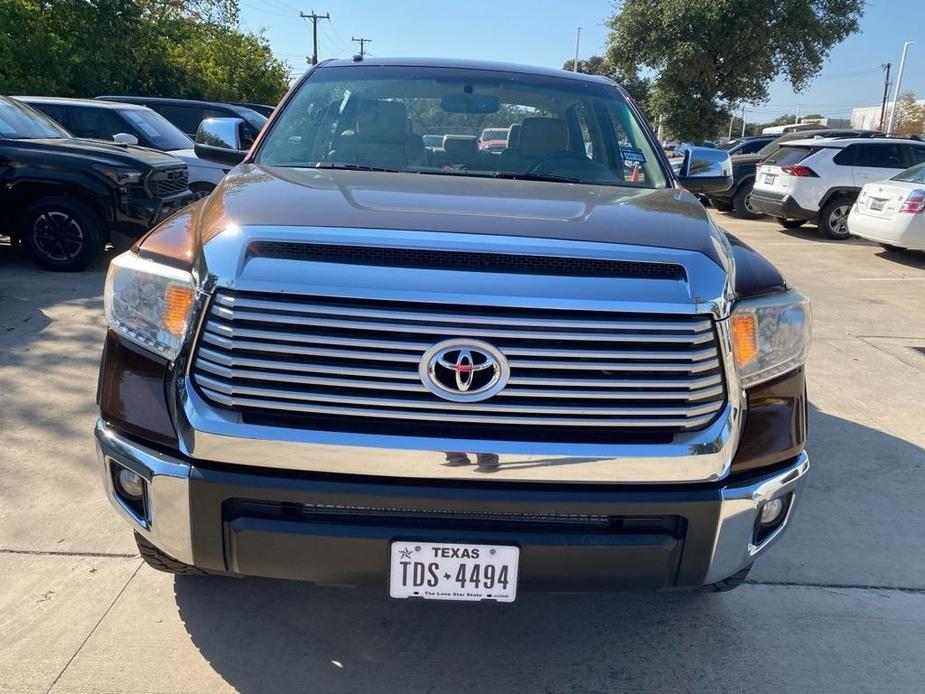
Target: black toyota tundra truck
x,y
61,197
452,373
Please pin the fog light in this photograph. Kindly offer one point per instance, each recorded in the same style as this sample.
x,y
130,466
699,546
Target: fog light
x,y
771,511
131,484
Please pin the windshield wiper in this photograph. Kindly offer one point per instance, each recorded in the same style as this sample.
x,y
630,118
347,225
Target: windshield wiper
x,y
352,167
540,177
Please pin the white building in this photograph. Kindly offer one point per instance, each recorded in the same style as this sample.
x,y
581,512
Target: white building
x,y
868,117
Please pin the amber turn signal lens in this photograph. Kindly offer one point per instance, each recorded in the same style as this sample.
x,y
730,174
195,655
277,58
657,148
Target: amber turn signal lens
x,y
177,304
744,338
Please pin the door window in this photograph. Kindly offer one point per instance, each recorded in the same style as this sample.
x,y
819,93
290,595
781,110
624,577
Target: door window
x,y
98,123
881,155
917,154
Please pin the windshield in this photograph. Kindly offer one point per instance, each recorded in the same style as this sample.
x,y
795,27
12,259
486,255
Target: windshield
x,y
495,134
252,118
159,132
20,122
914,175
377,118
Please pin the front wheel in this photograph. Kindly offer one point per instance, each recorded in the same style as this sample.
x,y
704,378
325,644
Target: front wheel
x,y
833,220
61,233
742,202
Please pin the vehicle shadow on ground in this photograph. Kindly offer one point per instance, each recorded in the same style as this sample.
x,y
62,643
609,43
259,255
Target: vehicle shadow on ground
x,y
914,259
263,635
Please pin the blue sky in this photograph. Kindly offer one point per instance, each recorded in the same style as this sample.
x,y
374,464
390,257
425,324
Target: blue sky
x,y
542,32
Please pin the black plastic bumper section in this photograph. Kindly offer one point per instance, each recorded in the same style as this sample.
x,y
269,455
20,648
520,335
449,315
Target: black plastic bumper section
x,y
338,532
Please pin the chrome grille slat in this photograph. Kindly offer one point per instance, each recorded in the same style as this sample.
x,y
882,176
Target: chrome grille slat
x,y
434,404
474,332
232,376
466,418
444,317
277,337
358,359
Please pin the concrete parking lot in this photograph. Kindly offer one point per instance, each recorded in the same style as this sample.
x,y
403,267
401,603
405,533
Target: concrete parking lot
x,y
838,605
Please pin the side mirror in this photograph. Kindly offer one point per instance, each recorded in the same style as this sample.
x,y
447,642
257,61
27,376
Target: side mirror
x,y
706,170
125,139
221,140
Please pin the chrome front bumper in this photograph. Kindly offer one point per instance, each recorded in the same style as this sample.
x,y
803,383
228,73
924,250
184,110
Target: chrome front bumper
x,y
169,519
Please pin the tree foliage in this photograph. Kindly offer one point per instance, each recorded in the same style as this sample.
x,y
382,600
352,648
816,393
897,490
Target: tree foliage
x,y
910,116
178,48
713,55
638,87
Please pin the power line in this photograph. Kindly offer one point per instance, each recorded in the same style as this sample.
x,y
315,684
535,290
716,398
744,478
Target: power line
x,y
362,43
314,19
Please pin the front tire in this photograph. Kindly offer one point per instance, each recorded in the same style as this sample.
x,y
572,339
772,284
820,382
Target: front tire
x,y
61,234
727,584
833,219
156,559
741,202
790,223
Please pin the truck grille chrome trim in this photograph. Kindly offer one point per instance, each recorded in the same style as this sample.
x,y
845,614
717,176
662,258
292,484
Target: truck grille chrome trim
x,y
357,360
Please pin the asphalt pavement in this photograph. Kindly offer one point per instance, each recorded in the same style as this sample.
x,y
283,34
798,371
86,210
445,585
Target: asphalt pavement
x,y
837,606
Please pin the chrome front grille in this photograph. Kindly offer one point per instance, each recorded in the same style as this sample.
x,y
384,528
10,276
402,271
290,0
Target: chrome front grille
x,y
316,359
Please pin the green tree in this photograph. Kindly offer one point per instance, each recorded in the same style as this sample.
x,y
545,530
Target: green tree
x,y
713,55
910,117
638,87
181,48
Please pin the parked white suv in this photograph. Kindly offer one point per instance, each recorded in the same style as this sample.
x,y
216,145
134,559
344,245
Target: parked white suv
x,y
820,179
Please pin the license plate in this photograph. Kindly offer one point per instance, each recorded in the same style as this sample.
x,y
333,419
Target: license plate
x,y
769,178
877,205
450,571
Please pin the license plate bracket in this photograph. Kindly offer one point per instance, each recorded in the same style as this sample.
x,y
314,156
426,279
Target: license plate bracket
x,y
453,571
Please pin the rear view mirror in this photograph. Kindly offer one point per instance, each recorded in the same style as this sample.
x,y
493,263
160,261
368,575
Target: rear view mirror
x,y
470,103
221,140
125,139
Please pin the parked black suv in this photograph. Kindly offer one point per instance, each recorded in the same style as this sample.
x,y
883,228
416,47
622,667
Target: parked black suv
x,y
738,198
187,114
61,196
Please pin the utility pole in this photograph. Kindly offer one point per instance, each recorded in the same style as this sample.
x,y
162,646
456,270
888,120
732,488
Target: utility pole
x,y
731,121
743,121
899,81
577,43
314,17
362,43
796,118
886,88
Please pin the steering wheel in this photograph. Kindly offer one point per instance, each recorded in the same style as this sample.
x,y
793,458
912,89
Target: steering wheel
x,y
555,157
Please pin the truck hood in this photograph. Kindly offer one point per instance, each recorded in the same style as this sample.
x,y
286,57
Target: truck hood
x,y
253,195
100,150
192,159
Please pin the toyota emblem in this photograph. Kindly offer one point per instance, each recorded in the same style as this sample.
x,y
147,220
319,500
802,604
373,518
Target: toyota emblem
x,y
464,370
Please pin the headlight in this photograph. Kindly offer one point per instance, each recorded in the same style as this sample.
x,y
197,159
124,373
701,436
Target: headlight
x,y
149,303
770,336
121,177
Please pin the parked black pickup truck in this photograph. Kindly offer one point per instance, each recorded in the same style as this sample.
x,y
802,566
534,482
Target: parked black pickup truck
x,y
61,197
